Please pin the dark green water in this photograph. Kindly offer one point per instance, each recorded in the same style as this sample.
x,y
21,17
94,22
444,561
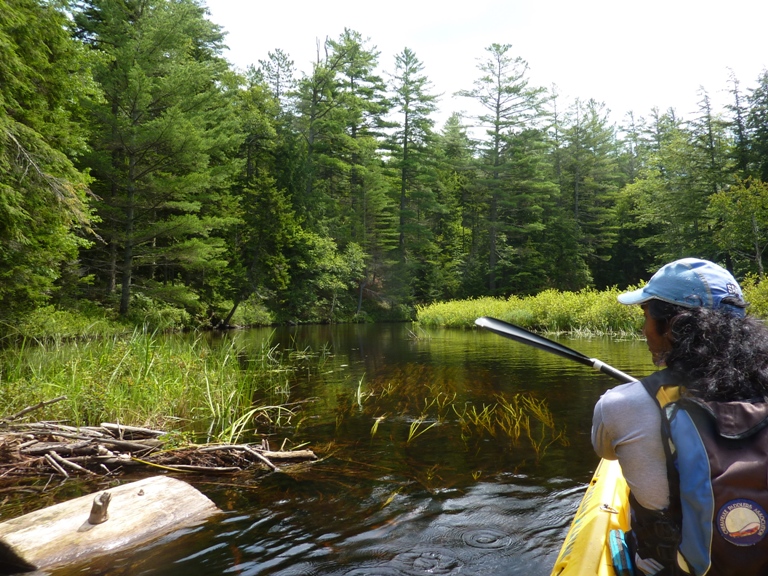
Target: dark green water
x,y
452,500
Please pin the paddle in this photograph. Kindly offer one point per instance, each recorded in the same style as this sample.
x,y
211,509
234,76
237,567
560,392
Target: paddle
x,y
522,335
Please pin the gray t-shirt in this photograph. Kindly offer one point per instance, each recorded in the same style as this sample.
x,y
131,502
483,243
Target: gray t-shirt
x,y
627,425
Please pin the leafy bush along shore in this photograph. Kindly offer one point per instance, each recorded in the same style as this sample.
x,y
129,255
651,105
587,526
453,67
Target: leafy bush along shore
x,y
592,311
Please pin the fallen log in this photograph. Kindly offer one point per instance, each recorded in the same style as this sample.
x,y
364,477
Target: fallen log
x,y
127,516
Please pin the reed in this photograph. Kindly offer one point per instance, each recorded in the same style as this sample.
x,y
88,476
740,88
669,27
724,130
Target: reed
x,y
143,379
51,324
587,311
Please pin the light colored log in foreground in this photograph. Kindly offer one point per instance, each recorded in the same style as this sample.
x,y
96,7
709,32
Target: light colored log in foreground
x,y
138,512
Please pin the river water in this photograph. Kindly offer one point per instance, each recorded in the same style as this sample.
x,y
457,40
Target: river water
x,y
420,472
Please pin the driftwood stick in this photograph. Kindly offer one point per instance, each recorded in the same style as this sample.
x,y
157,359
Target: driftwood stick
x,y
65,462
291,455
65,431
121,429
260,457
69,449
240,447
68,435
215,447
37,406
55,465
217,469
282,455
135,446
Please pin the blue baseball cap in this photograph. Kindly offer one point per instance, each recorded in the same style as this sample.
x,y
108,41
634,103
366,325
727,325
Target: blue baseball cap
x,y
691,283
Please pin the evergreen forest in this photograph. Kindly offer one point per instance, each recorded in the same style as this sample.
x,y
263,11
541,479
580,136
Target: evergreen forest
x,y
140,172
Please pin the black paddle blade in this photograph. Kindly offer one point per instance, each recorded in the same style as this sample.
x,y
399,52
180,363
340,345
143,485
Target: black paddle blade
x,y
522,335
526,337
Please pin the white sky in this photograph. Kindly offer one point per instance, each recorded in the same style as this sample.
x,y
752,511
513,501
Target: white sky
x,y
630,54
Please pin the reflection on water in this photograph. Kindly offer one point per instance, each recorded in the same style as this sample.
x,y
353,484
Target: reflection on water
x,y
406,484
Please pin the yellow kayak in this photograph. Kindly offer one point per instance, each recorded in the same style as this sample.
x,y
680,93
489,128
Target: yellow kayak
x,y
605,507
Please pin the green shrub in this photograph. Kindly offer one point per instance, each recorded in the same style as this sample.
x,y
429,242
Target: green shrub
x,y
49,322
756,293
252,312
156,315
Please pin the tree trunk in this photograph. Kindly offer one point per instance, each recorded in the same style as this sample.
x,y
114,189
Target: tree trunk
x,y
403,187
112,280
125,295
758,252
225,323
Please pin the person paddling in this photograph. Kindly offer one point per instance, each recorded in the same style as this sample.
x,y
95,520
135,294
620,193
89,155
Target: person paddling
x,y
692,438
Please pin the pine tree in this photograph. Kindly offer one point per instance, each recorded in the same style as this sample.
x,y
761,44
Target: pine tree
x,y
738,126
511,107
591,179
757,129
413,152
164,134
43,79
279,74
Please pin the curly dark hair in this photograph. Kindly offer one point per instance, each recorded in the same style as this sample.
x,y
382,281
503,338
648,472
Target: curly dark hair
x,y
719,355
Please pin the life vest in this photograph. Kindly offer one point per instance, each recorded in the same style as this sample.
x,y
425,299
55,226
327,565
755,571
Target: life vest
x,y
717,466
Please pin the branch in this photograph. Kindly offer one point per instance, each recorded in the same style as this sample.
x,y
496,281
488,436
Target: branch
x,y
37,406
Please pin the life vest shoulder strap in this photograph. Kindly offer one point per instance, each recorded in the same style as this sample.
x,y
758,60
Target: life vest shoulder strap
x,y
663,387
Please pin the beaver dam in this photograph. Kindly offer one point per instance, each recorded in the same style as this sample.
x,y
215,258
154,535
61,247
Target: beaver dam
x,y
110,449
41,448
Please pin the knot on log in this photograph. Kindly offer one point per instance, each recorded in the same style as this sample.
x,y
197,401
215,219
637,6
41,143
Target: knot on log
x,y
99,509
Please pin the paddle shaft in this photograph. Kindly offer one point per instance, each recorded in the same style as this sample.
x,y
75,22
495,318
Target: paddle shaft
x,y
526,337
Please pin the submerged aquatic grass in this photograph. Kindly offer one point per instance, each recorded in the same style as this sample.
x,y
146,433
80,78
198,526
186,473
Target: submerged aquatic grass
x,y
425,404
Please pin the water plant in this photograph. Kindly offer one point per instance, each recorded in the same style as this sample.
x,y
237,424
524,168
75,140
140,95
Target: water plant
x,y
376,421
415,430
508,419
586,311
144,379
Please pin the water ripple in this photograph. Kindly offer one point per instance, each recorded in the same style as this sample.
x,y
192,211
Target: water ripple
x,y
486,538
428,561
374,571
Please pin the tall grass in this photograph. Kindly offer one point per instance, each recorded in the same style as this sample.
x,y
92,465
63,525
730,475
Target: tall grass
x,y
593,311
587,311
51,323
146,380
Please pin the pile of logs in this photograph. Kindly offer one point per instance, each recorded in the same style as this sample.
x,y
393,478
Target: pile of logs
x,y
108,449
46,447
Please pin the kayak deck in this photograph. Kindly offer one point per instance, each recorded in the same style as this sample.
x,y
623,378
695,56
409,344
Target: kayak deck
x,y
604,507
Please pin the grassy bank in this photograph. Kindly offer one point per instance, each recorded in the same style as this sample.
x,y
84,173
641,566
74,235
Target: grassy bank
x,y
169,381
592,311
586,311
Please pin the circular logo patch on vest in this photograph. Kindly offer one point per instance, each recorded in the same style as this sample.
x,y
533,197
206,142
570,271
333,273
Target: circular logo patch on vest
x,y
742,522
